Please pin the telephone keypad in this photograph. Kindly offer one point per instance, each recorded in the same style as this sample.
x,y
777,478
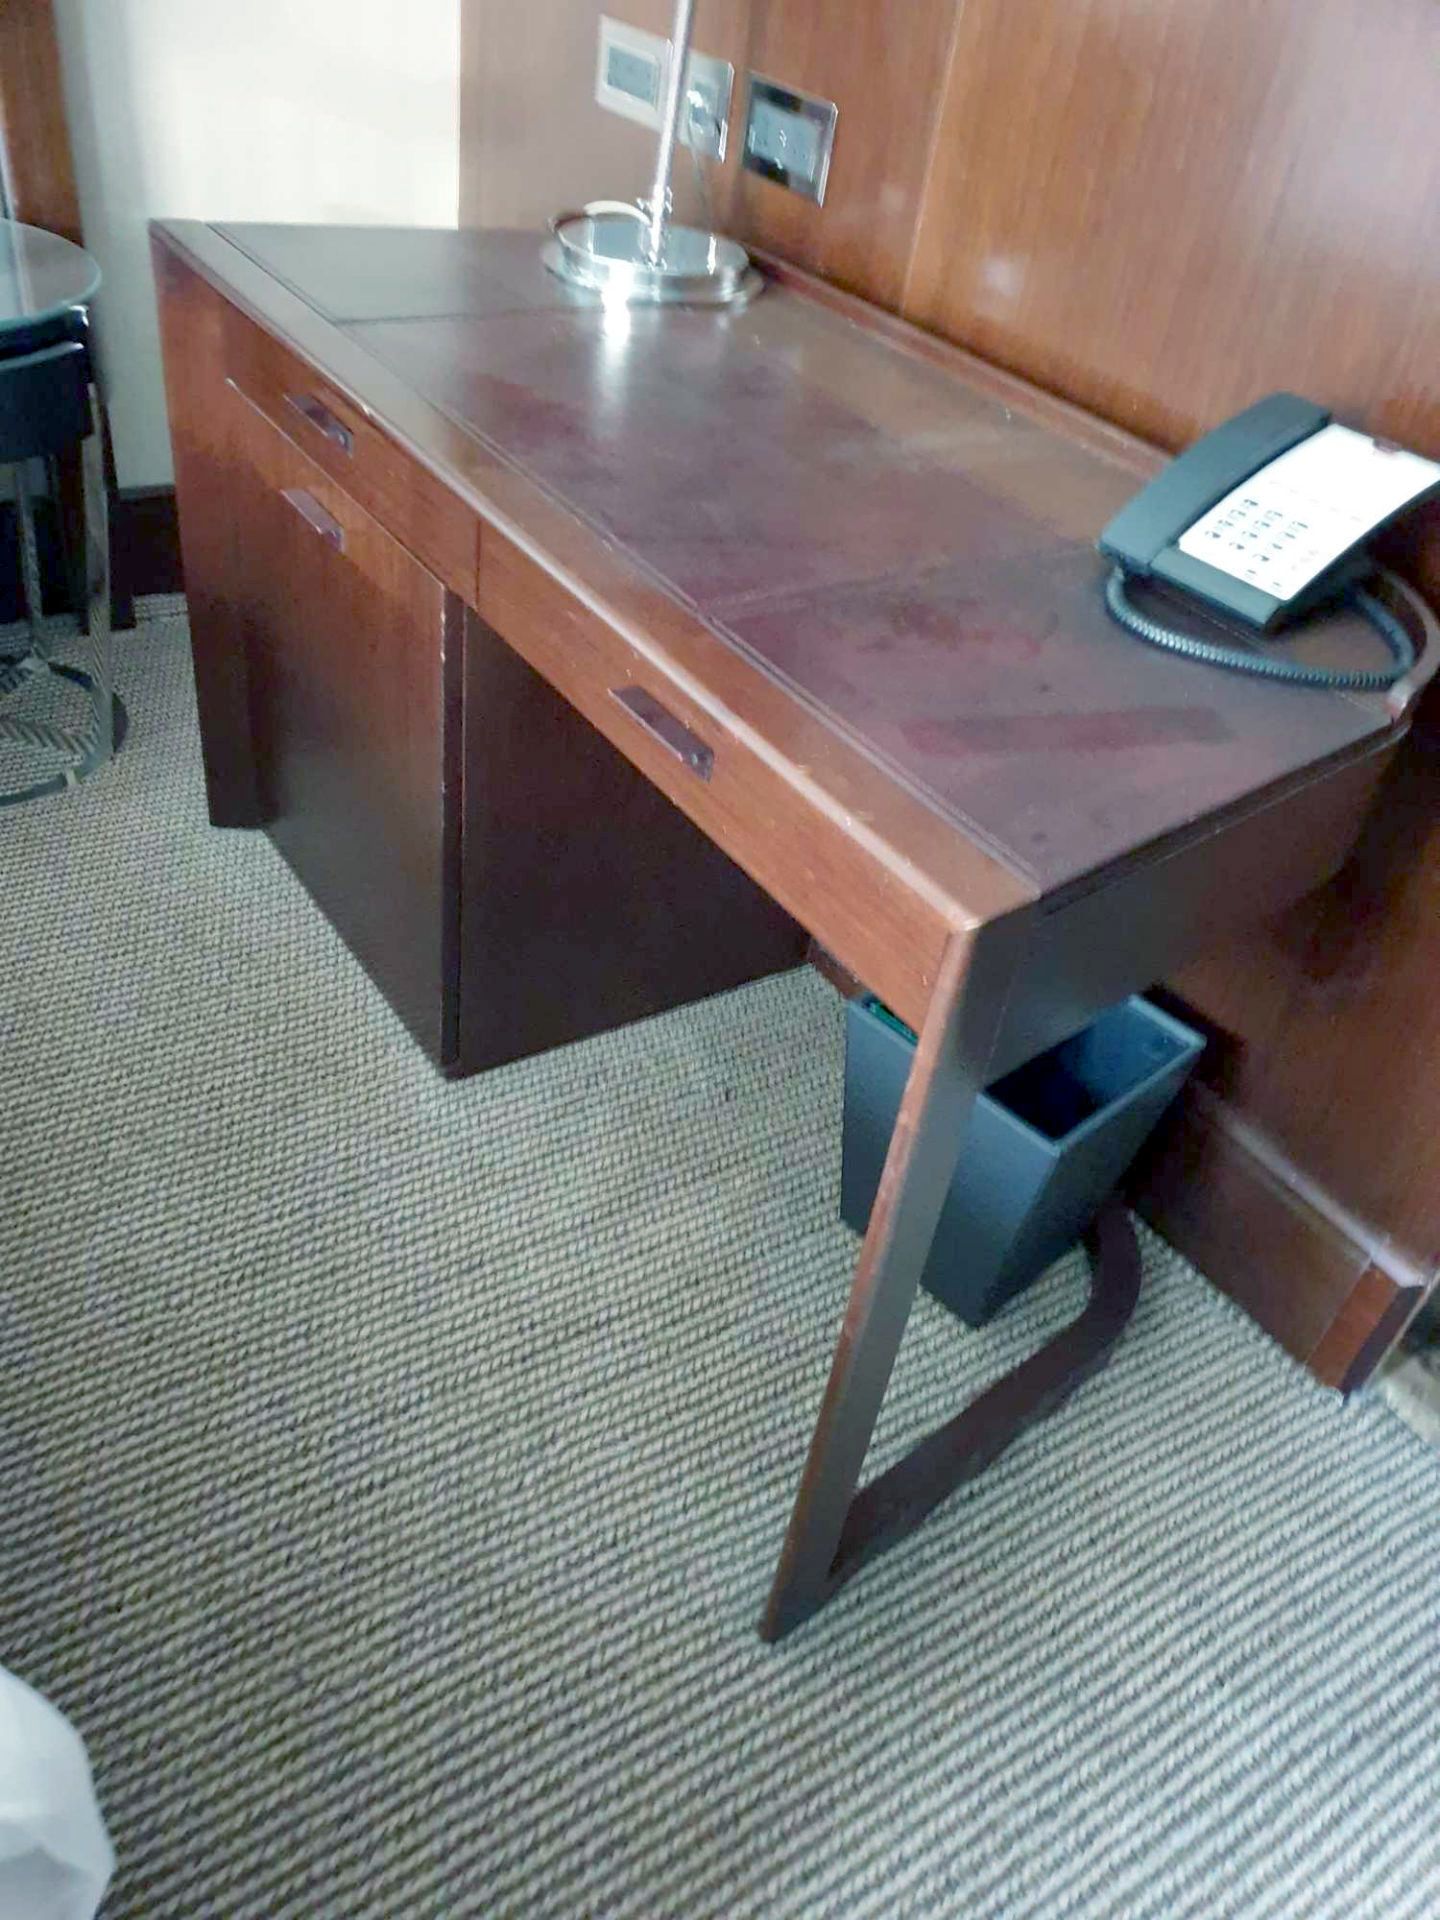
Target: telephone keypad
x,y
1266,545
1294,518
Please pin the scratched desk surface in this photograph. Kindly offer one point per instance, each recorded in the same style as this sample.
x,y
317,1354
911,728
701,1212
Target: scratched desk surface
x,y
907,552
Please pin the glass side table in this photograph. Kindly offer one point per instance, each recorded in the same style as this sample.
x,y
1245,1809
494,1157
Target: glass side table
x,y
59,719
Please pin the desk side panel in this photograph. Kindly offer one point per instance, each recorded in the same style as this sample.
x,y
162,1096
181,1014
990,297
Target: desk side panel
x,y
193,340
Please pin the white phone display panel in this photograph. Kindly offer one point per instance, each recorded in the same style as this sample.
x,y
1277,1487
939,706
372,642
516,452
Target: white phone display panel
x,y
1291,520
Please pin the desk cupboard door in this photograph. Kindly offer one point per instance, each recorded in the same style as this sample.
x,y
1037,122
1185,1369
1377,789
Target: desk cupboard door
x,y
353,655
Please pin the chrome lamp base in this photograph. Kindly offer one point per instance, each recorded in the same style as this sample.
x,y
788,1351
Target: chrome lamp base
x,y
609,253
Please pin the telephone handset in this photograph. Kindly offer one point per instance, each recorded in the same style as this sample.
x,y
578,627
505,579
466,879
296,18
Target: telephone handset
x,y
1266,519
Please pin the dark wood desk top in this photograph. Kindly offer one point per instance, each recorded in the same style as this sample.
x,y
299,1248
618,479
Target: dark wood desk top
x,y
906,546
830,588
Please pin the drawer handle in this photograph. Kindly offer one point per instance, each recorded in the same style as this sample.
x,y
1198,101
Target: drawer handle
x,y
669,731
315,516
323,420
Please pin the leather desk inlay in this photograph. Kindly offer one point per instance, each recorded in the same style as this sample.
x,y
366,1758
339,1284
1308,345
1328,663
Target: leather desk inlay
x,y
855,528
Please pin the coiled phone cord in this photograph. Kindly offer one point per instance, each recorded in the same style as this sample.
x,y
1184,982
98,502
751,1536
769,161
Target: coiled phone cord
x,y
1265,666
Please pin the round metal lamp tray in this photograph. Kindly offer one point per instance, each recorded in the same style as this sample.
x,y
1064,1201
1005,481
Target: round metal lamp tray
x,y
606,253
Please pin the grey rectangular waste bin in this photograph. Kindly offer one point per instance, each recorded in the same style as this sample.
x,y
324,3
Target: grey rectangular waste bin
x,y
1045,1146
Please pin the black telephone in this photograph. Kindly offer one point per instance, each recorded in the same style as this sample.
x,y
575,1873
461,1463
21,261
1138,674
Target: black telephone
x,y
1267,519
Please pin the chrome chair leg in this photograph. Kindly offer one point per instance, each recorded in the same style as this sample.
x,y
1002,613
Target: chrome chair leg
x,y
88,747
29,561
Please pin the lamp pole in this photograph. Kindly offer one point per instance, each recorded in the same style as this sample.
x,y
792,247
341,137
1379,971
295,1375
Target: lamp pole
x,y
631,252
657,210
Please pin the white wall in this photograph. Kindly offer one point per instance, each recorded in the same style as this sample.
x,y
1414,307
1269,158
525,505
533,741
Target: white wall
x,y
325,110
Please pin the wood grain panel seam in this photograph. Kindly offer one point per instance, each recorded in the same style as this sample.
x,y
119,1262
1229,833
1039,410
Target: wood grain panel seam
x,y
938,105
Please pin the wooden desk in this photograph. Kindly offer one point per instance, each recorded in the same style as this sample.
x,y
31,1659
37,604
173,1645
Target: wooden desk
x,y
450,528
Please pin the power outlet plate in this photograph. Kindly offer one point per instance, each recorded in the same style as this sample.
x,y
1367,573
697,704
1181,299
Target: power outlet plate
x,y
789,137
630,80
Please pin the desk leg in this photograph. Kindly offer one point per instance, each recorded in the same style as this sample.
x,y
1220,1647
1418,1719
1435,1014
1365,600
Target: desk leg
x,y
833,1530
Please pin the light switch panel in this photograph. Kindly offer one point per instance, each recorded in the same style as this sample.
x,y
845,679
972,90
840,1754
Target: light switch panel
x,y
630,80
788,137
630,77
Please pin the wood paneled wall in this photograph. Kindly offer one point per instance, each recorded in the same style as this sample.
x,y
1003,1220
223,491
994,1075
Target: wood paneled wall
x,y
1159,210
39,176
533,141
1201,201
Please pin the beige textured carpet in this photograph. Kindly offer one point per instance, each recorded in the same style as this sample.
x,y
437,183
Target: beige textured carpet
x,y
391,1472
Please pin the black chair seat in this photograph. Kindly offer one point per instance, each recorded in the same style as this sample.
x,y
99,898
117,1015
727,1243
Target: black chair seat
x,y
44,401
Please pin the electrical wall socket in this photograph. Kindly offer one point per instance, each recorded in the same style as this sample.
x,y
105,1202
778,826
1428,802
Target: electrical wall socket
x,y
630,80
788,137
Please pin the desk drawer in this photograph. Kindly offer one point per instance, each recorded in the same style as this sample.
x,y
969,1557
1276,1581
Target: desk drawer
x,y
421,513
823,869
352,657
